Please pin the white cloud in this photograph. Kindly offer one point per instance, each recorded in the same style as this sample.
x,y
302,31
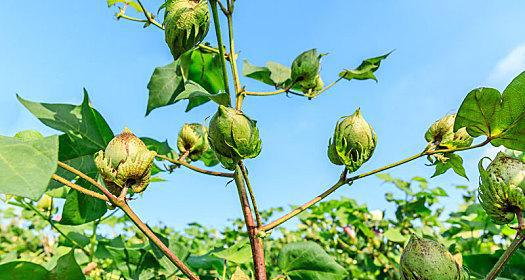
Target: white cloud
x,y
509,67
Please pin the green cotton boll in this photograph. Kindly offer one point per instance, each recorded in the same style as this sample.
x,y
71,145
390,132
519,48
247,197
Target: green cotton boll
x,y
429,260
126,162
353,143
186,24
310,88
233,136
502,187
441,134
306,66
193,139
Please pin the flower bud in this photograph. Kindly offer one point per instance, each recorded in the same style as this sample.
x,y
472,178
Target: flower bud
x,y
126,162
441,134
501,189
193,139
353,143
305,71
186,24
233,136
429,260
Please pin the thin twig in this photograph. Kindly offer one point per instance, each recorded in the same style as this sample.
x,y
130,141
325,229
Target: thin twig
x,y
87,178
148,16
340,183
78,188
251,193
498,267
195,168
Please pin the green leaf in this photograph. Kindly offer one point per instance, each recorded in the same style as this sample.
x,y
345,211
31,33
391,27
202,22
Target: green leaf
x,y
308,261
196,76
239,253
86,131
205,262
478,113
394,235
132,4
21,270
239,275
193,91
273,74
66,268
455,162
500,117
209,158
162,148
365,70
27,165
165,85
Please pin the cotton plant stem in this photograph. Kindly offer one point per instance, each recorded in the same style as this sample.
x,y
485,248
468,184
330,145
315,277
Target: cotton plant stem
x,y
122,204
87,178
153,237
195,168
498,267
217,25
52,224
327,87
252,194
239,96
341,183
148,16
255,242
78,188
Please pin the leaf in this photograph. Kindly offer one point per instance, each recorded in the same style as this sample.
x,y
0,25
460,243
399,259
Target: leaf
x,y
394,235
478,112
273,74
66,268
205,262
239,253
27,166
196,76
132,4
308,261
193,91
164,86
86,131
21,270
500,117
162,148
455,162
365,70
239,275
209,158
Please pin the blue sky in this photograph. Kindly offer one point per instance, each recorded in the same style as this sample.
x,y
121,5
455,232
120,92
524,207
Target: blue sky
x,y
50,51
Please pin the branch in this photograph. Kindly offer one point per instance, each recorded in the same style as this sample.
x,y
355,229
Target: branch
x,y
195,168
498,267
78,188
233,58
80,174
341,182
155,239
252,195
255,242
326,88
149,17
122,204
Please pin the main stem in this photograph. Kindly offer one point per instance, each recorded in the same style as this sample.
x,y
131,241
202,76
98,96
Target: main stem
x,y
218,34
498,267
255,242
